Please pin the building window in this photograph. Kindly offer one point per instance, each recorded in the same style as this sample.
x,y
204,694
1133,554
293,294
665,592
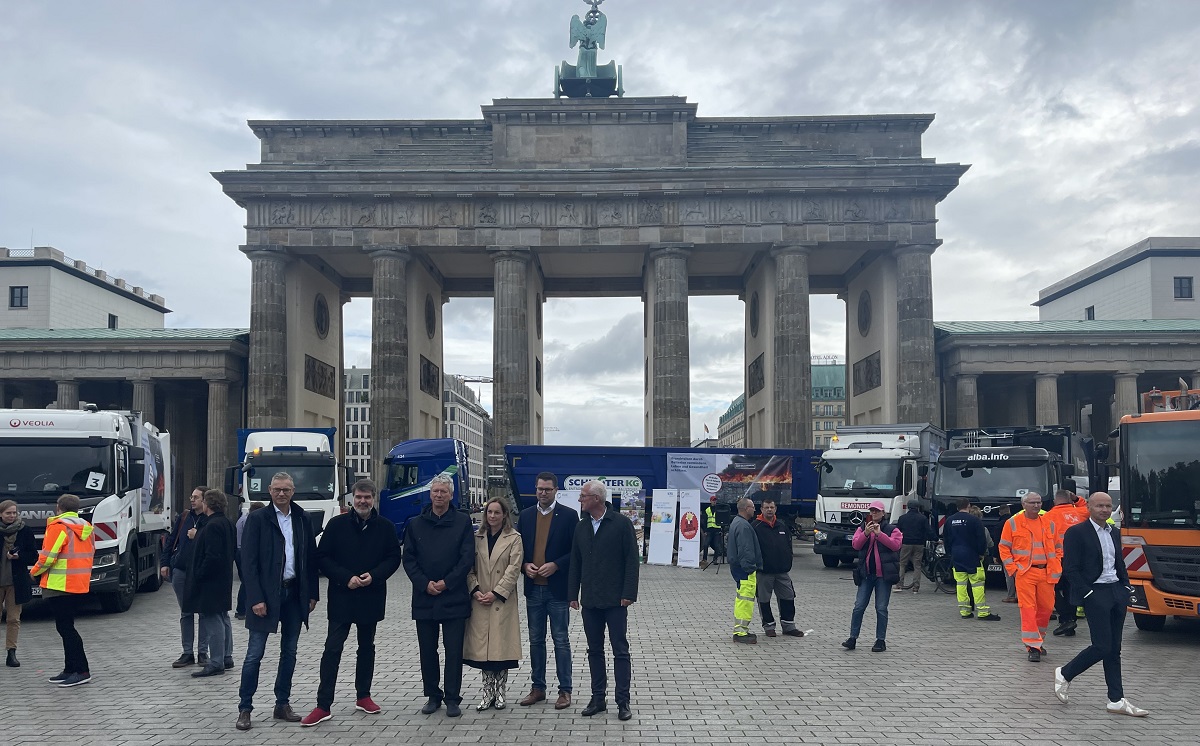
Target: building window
x,y
1183,288
366,384
18,296
1089,313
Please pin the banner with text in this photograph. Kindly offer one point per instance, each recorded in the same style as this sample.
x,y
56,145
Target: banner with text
x,y
731,475
662,527
689,528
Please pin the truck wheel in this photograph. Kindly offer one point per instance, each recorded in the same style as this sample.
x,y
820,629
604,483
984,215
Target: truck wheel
x,y
120,600
154,581
1150,622
829,560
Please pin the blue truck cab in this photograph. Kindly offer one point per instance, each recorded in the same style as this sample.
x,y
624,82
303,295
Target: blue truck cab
x,y
409,468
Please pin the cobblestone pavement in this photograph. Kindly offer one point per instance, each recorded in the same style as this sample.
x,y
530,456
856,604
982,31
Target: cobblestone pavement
x,y
941,681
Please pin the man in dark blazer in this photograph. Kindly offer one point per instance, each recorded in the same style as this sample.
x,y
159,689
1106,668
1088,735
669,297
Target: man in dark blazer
x,y
358,552
279,570
1095,569
547,532
605,562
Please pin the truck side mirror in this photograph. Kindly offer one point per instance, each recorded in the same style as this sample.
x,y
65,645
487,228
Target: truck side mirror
x,y
921,488
348,479
1069,485
1068,470
137,474
232,474
923,470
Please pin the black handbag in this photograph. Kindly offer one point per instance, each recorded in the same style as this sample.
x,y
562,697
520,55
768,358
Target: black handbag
x,y
858,574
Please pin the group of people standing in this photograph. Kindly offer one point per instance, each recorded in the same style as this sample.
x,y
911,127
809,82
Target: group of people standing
x,y
760,562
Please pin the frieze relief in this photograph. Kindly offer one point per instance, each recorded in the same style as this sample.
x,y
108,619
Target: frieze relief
x,y
582,213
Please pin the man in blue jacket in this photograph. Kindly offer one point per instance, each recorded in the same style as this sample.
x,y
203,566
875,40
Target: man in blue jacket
x,y
173,564
439,551
966,543
745,560
547,531
279,569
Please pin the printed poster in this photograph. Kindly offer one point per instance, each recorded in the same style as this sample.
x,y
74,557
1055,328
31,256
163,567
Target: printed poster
x,y
731,476
689,528
569,498
662,527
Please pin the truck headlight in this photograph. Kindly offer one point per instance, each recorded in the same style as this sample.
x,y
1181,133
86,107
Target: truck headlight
x,y
820,536
105,560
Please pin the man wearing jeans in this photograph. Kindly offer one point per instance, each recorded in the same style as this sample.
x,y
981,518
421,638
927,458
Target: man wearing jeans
x,y
605,562
175,559
547,531
280,572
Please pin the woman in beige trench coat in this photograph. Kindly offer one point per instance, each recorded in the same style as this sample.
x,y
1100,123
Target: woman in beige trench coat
x,y
493,642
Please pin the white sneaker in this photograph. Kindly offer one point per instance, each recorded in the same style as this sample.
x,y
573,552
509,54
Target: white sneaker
x,y
1123,707
1060,685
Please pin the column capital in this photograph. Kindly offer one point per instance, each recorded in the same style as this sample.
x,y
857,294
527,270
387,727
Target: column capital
x,y
1048,375
670,249
499,253
783,248
1126,374
917,248
271,251
388,251
216,378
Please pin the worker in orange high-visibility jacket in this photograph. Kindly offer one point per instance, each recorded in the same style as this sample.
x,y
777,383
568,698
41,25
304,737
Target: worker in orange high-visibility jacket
x,y
1068,510
1032,553
65,568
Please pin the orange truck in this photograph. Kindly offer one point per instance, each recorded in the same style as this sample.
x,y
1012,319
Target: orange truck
x,y
1160,496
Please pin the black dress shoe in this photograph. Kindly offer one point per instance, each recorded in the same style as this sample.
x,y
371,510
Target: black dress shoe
x,y
879,646
243,721
286,713
453,710
209,671
431,706
596,705
850,643
623,711
183,661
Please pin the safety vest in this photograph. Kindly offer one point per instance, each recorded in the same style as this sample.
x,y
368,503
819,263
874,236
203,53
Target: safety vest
x,y
1067,515
710,517
1025,542
65,561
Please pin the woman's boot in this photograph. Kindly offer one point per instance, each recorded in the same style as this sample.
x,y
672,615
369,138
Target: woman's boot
x,y
12,661
489,691
501,685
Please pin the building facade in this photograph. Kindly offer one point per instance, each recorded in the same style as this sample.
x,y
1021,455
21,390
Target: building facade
x,y
465,419
357,429
1153,279
46,289
828,408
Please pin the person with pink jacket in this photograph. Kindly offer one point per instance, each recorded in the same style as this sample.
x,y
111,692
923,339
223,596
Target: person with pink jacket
x,y
876,571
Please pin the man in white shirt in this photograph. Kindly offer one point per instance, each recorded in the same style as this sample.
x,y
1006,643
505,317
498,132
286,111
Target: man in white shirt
x,y
1095,569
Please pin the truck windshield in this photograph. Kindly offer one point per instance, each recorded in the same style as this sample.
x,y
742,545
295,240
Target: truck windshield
x,y
312,482
1006,483
28,473
1160,478
869,474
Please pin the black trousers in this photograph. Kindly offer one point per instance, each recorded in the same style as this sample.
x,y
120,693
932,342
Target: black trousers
x,y
712,539
331,659
616,619
1105,609
65,607
453,631
1062,602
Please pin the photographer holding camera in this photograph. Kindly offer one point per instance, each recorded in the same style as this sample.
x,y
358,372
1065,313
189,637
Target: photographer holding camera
x,y
877,570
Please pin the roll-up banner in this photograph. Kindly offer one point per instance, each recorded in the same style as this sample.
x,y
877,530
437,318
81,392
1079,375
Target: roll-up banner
x,y
689,528
662,527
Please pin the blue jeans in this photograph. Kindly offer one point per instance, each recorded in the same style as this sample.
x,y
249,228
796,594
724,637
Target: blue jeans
x,y
289,626
883,594
540,605
187,620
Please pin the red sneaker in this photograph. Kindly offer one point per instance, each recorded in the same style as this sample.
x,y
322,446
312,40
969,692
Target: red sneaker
x,y
316,716
367,705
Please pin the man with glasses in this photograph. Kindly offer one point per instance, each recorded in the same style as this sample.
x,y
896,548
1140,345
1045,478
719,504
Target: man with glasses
x,y
279,570
547,532
1032,554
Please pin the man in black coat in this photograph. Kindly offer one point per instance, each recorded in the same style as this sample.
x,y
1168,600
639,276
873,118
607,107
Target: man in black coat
x,y
914,525
1095,568
547,531
775,543
605,562
358,552
279,570
210,582
439,551
173,564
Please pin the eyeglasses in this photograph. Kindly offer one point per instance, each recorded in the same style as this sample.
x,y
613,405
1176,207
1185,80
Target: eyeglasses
x,y
281,491
545,489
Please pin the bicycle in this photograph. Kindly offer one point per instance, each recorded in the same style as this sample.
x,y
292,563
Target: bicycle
x,y
937,567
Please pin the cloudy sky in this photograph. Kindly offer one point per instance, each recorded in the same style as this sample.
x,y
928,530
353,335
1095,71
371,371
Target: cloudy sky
x,y
1079,118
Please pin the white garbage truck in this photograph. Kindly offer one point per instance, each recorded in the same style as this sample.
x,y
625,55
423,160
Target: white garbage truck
x,y
118,466
865,463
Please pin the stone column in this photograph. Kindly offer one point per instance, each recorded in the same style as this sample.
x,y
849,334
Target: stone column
x,y
1127,395
3,395
268,336
68,395
917,384
670,389
1195,381
143,398
389,390
1045,399
966,401
793,352
510,345
218,432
